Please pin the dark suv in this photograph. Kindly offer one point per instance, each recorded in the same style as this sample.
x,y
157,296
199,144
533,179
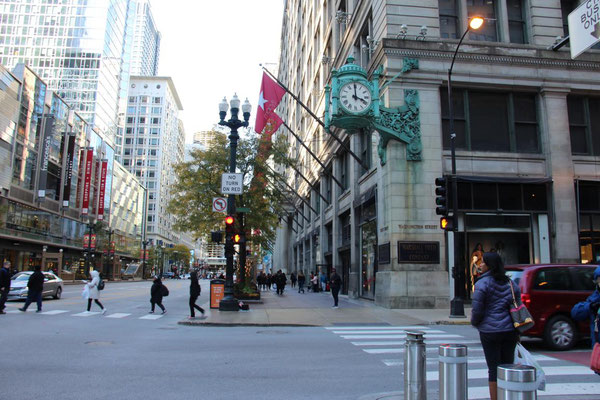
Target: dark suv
x,y
549,291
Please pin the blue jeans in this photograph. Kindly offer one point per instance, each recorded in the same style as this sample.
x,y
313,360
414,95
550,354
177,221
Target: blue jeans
x,y
31,297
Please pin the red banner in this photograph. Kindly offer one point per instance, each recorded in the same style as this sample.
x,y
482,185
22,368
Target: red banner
x,y
142,258
112,247
103,168
87,180
93,241
86,241
80,178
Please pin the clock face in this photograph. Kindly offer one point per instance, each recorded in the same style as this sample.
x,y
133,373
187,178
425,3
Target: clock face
x,y
355,97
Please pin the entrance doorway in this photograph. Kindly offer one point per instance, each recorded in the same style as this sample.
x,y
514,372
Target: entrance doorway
x,y
345,260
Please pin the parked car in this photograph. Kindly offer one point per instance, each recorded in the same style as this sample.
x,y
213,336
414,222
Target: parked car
x,y
53,285
549,291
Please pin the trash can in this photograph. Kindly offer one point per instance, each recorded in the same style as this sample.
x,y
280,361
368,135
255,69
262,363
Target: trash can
x,y
217,291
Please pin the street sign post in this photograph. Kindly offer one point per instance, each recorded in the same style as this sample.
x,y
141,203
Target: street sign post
x,y
584,27
231,184
219,204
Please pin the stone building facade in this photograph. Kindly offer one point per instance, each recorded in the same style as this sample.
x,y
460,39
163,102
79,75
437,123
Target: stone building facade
x,y
527,144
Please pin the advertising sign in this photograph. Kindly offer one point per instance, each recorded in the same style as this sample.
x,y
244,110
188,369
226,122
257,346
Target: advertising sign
x,y
217,292
68,169
87,181
46,141
584,27
103,167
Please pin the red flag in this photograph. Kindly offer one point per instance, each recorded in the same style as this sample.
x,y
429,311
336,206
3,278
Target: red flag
x,y
269,98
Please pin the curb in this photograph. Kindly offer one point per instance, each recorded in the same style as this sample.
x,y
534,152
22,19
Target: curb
x,y
383,396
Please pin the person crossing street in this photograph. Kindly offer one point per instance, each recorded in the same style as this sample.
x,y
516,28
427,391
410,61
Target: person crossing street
x,y
4,285
35,286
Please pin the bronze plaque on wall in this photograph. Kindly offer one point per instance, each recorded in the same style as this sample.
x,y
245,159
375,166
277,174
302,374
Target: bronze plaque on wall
x,y
384,253
419,252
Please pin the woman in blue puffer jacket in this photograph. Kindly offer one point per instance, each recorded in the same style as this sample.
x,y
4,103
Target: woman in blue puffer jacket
x,y
588,309
490,315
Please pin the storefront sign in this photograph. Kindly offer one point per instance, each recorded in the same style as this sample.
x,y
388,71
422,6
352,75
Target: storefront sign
x,y
87,180
47,138
418,252
103,167
384,253
68,169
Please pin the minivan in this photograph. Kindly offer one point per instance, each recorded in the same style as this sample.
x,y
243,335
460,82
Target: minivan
x,y
549,291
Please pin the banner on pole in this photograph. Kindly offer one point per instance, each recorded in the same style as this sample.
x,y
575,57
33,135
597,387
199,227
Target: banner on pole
x,y
87,180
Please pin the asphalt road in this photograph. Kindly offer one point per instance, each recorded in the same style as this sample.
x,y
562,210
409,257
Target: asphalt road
x,y
62,354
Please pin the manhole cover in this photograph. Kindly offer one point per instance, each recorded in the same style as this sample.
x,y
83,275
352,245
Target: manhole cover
x,y
272,332
99,343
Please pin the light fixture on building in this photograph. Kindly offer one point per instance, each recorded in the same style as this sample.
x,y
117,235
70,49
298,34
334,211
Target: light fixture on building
x,y
422,33
371,45
403,32
326,60
342,17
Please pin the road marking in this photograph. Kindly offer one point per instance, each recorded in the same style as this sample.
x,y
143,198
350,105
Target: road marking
x,y
151,316
395,362
431,333
401,350
549,371
54,312
382,336
118,315
552,389
402,343
86,314
339,328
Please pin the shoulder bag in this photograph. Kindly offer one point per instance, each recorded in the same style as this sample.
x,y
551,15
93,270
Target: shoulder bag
x,y
519,313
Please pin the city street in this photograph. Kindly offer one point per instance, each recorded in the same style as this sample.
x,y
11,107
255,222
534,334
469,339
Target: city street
x,y
130,354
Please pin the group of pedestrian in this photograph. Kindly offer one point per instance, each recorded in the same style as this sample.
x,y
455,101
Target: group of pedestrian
x,y
280,282
264,281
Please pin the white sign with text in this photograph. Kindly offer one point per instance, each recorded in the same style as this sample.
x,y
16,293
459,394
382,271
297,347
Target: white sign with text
x,y
232,184
584,27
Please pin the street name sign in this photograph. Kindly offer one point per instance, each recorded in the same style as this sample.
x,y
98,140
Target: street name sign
x,y
584,27
219,204
231,184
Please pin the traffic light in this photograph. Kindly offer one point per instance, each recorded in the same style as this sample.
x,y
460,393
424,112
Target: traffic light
x,y
441,192
237,238
229,220
447,223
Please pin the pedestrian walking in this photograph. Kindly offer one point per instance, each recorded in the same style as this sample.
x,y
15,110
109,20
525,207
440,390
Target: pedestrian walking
x,y
156,295
4,284
293,279
490,314
93,293
314,282
280,281
35,286
323,279
335,283
194,294
301,282
269,281
588,309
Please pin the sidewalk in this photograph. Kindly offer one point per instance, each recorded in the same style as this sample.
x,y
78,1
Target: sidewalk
x,y
314,309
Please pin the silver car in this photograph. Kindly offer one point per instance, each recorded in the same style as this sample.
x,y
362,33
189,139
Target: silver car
x,y
53,285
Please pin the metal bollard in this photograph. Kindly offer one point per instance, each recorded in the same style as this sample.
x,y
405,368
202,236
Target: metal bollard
x,y
516,382
453,376
415,371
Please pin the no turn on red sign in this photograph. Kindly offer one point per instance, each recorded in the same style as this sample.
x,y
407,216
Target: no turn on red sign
x,y
219,204
584,27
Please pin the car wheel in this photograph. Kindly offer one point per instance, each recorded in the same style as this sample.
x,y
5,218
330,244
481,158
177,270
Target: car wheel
x,y
58,293
560,333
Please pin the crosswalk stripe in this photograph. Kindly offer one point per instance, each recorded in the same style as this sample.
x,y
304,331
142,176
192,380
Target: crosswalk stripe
x,y
552,389
118,315
549,371
402,343
151,316
339,328
381,336
431,333
54,312
394,362
401,350
86,314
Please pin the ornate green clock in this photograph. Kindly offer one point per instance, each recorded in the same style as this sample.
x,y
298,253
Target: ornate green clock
x,y
352,103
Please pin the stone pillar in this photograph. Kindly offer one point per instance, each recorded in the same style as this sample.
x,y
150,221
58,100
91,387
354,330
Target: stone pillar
x,y
559,164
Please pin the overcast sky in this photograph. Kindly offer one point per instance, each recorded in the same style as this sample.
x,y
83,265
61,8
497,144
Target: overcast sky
x,y
213,48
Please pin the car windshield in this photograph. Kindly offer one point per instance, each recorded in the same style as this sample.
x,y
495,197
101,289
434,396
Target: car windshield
x,y
20,277
515,275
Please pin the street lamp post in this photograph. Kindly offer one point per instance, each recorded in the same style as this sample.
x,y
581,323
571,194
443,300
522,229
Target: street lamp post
x,y
109,255
144,244
229,303
89,248
457,307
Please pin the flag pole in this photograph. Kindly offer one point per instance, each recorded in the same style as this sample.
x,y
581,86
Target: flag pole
x,y
312,114
292,204
313,155
293,190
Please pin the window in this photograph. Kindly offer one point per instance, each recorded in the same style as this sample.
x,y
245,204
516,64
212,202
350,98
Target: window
x,y
346,228
130,120
151,174
144,99
127,152
345,170
365,149
140,152
552,279
132,99
128,141
584,124
154,142
487,10
328,185
142,120
448,19
566,7
155,121
516,23
492,121
153,152
157,100
128,131
126,162
140,140
152,195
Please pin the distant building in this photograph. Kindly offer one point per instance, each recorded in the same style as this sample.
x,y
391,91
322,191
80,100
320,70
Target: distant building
x,y
146,42
204,138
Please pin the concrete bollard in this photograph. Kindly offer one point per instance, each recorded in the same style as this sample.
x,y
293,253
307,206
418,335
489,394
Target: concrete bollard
x,y
453,375
516,382
415,367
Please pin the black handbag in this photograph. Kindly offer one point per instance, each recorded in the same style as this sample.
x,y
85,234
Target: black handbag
x,y
520,314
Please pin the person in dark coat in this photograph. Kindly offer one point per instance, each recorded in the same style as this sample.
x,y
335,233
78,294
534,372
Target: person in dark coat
x,y
335,283
194,294
301,281
293,279
4,285
156,295
280,281
35,286
492,301
588,309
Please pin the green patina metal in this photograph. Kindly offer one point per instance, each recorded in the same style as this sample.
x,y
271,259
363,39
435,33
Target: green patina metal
x,y
401,123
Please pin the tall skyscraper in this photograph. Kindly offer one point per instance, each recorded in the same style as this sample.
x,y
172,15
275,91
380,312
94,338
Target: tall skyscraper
x,y
153,143
146,42
77,48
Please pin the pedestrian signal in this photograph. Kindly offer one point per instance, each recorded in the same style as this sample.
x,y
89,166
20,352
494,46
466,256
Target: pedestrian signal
x,y
447,223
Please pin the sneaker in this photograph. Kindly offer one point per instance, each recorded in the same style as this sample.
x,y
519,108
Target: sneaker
x,y
22,309
2,312
150,312
164,311
335,307
202,312
104,311
38,310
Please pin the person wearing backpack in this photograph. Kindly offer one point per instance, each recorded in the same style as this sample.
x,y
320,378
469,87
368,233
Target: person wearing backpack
x,y
157,291
93,292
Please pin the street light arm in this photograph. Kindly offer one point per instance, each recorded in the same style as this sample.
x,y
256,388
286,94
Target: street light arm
x,y
456,51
